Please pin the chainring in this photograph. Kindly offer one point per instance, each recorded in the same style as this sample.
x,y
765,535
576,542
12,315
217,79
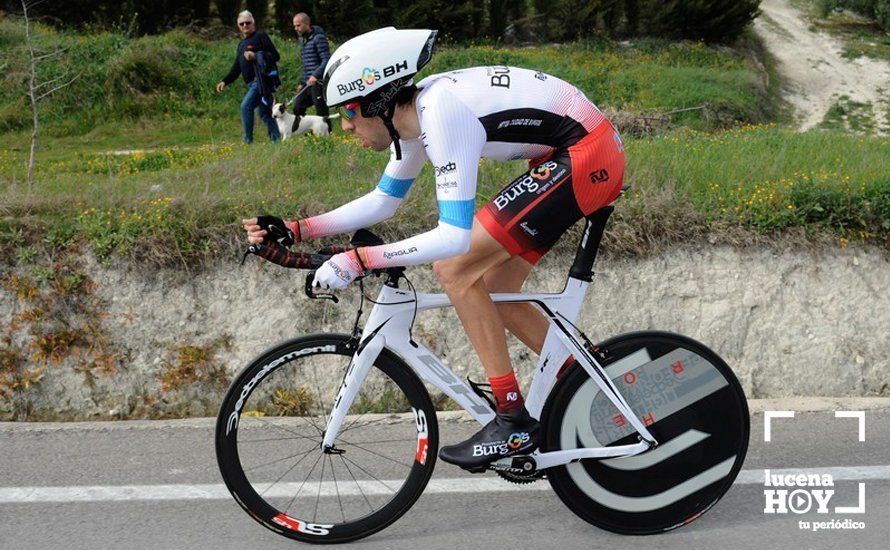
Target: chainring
x,y
521,479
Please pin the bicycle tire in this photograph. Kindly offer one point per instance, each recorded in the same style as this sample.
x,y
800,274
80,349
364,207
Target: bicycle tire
x,y
251,397
702,428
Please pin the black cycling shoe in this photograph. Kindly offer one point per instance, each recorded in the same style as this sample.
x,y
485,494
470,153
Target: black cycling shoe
x,y
502,437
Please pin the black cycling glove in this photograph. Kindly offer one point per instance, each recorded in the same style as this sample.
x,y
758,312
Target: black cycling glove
x,y
276,231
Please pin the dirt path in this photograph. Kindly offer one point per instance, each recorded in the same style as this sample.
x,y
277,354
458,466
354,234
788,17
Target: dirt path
x,y
815,71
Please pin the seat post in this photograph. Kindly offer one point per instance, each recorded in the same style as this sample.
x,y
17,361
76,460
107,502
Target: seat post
x,y
582,267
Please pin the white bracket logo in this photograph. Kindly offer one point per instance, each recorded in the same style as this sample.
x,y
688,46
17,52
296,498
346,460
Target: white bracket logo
x,y
854,414
767,421
797,492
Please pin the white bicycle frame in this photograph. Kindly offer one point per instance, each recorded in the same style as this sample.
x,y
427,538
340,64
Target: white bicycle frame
x,y
388,326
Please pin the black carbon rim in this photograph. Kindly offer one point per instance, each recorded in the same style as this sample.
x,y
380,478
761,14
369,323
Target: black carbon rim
x,y
268,443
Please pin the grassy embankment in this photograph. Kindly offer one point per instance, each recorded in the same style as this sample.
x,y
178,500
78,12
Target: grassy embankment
x,y
723,171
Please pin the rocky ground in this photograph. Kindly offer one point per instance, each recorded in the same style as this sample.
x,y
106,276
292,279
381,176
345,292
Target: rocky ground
x,y
790,323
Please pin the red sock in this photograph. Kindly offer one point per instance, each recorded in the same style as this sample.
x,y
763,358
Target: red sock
x,y
506,392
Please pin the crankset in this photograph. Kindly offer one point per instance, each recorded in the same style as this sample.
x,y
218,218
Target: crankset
x,y
519,469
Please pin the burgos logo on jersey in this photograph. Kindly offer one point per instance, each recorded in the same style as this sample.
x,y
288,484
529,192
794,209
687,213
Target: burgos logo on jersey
x,y
530,183
371,76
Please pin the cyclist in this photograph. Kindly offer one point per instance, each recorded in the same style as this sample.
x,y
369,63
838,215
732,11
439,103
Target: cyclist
x,y
453,120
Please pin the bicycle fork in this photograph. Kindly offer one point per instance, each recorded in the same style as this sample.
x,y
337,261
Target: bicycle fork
x,y
358,369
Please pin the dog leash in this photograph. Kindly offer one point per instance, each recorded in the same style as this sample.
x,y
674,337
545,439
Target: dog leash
x,y
298,94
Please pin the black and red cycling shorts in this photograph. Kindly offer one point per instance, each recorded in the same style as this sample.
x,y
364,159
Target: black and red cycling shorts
x,y
529,215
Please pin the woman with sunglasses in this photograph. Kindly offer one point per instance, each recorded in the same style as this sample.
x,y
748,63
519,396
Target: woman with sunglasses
x,y
453,120
252,42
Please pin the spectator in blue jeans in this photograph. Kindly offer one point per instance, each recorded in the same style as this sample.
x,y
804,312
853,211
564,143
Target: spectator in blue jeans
x,y
252,41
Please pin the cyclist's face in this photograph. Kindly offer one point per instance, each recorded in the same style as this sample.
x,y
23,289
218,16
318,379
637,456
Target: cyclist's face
x,y
371,131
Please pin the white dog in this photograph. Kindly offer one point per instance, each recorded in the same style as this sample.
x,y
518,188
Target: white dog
x,y
308,123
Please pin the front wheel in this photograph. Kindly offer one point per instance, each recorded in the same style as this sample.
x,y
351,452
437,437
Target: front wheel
x,y
692,404
270,429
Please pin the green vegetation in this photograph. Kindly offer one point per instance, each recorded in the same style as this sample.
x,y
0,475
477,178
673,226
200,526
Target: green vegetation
x,y
762,178
768,179
848,114
388,400
640,76
196,365
876,10
297,402
461,20
179,194
169,79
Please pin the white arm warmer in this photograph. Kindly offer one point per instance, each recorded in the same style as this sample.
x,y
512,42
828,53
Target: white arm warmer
x,y
379,204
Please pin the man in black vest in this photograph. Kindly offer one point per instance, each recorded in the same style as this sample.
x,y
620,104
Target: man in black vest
x,y
252,42
314,56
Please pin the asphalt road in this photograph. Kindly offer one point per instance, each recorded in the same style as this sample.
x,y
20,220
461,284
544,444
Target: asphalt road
x,y
179,454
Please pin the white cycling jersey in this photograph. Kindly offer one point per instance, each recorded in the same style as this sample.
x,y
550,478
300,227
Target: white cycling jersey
x,y
500,113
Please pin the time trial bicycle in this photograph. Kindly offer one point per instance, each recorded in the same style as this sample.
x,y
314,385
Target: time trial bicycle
x,y
332,437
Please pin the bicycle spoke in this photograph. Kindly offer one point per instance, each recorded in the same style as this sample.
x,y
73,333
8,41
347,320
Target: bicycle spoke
x,y
337,488
352,425
285,472
267,423
360,490
375,478
268,439
315,427
377,441
320,396
279,460
318,495
300,489
376,453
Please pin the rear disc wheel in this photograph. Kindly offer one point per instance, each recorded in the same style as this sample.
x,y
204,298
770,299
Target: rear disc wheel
x,y
690,401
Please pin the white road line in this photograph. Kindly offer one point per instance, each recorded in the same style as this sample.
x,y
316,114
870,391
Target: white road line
x,y
18,495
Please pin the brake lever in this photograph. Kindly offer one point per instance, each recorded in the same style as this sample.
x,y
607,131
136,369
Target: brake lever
x,y
317,295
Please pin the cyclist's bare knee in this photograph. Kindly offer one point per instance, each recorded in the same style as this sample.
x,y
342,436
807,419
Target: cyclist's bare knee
x,y
453,273
507,277
461,272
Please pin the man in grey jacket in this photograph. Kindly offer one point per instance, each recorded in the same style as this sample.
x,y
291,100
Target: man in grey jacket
x,y
314,56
